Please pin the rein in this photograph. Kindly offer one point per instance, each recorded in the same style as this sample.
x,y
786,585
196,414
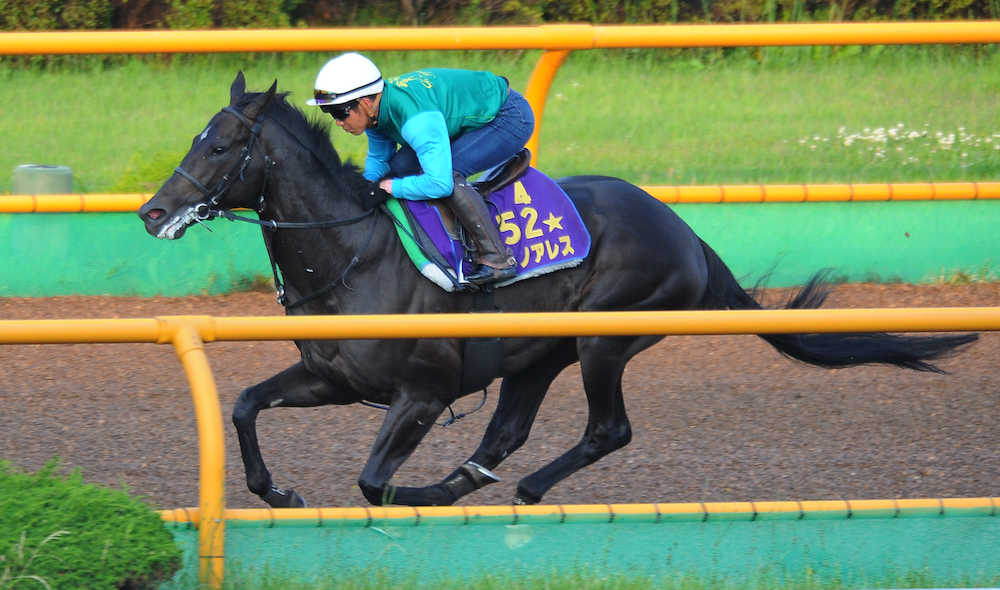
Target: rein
x,y
276,225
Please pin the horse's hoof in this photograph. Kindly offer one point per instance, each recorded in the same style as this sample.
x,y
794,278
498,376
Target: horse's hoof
x,y
479,475
279,498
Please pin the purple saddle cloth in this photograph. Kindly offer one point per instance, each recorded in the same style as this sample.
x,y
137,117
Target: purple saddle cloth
x,y
538,223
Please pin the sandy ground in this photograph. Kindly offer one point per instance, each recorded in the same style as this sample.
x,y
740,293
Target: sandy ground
x,y
714,418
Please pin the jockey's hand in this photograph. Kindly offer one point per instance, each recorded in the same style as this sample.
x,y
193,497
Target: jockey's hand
x,y
374,196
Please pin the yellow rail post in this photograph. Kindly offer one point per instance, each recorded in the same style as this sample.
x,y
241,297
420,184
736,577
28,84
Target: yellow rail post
x,y
538,90
211,450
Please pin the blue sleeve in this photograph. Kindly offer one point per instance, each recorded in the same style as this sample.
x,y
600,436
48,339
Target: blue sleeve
x,y
380,149
427,134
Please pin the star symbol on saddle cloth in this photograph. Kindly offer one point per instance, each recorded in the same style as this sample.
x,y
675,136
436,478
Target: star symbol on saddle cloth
x,y
553,222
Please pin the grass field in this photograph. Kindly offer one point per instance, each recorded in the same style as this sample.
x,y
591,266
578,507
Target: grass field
x,y
773,115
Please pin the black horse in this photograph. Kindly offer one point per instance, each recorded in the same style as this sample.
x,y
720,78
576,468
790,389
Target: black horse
x,y
336,254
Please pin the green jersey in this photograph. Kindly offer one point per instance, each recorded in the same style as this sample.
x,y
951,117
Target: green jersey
x,y
425,110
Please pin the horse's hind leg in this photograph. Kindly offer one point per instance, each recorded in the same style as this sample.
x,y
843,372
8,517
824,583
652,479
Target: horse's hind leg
x,y
293,387
602,362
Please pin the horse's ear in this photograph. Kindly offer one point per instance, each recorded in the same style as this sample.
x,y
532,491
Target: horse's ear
x,y
238,89
259,102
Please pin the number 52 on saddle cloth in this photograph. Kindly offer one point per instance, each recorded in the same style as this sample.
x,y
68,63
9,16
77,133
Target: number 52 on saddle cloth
x,y
537,220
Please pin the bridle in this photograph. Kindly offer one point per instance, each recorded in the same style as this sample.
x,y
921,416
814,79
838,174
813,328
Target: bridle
x,y
205,211
209,209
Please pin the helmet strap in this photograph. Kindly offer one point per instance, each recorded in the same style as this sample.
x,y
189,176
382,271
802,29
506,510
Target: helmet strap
x,y
372,107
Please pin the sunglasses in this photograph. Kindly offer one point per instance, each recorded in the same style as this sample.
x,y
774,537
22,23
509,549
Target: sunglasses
x,y
339,111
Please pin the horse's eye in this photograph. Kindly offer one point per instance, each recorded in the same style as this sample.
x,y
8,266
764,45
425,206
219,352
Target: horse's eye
x,y
218,149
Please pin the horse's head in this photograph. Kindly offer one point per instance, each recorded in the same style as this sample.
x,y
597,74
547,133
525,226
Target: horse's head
x,y
220,172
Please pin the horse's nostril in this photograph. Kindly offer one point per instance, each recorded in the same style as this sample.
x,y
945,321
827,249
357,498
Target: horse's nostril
x,y
155,214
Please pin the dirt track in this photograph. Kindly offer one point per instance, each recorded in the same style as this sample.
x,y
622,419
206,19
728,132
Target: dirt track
x,y
714,418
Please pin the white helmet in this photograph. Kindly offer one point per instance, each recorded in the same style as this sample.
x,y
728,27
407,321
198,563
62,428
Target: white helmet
x,y
345,78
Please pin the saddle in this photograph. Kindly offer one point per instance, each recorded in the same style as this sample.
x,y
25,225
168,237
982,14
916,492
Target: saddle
x,y
499,177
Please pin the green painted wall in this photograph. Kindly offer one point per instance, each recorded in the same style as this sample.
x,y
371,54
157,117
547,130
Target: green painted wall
x,y
857,552
111,254
914,242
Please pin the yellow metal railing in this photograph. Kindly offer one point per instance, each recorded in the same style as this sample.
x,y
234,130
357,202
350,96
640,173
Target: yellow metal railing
x,y
553,37
694,511
724,193
189,333
556,41
164,329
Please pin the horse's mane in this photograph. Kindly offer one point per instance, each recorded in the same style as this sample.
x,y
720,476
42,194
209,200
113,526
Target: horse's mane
x,y
314,134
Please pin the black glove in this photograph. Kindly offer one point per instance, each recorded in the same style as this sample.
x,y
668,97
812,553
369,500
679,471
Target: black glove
x,y
373,196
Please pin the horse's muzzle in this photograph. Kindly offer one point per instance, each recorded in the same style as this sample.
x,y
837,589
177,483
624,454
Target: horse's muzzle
x,y
161,224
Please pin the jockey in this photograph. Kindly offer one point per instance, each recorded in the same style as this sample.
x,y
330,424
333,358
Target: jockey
x,y
428,131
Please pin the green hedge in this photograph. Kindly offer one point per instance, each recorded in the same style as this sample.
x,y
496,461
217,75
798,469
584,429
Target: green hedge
x,y
58,532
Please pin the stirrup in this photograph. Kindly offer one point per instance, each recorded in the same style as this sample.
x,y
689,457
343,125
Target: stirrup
x,y
487,275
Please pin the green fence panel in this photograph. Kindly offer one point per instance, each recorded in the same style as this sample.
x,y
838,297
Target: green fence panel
x,y
111,254
852,552
913,242
910,242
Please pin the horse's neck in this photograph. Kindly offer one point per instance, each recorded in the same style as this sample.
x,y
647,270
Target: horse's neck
x,y
312,260
300,190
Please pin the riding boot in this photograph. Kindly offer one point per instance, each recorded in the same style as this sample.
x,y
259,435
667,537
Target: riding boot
x,y
495,263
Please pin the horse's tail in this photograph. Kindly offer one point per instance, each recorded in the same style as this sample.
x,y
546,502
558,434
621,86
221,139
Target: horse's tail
x,y
829,350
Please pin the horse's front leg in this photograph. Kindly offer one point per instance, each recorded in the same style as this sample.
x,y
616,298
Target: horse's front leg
x,y
409,418
293,387
521,394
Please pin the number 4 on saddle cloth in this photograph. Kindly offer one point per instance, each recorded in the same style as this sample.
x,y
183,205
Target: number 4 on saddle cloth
x,y
537,220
